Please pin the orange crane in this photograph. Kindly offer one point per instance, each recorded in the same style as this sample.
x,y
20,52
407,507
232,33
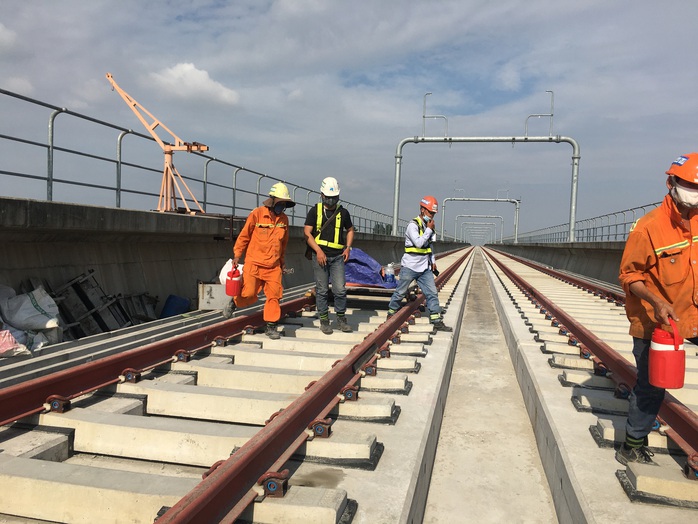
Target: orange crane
x,y
171,179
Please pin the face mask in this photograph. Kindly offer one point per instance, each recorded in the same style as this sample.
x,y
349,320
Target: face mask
x,y
279,208
330,201
684,196
426,218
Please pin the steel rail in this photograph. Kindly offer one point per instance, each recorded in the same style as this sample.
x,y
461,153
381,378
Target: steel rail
x,y
226,492
597,289
236,512
683,421
30,397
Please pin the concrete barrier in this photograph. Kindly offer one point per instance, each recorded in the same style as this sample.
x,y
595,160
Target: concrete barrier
x,y
599,260
133,252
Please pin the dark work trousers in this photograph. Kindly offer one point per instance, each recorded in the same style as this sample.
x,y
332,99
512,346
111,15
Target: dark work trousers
x,y
645,399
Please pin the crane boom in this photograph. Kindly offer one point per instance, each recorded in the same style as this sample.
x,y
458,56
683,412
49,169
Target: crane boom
x,y
171,179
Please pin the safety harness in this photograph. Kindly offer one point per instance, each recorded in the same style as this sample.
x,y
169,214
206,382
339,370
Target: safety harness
x,y
419,250
337,228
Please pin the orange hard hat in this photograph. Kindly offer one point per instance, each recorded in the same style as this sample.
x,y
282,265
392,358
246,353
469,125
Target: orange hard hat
x,y
429,203
685,167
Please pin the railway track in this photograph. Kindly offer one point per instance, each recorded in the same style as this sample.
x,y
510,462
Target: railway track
x,y
218,420
570,344
195,419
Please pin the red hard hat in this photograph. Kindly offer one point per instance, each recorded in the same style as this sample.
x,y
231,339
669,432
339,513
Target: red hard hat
x,y
430,203
685,167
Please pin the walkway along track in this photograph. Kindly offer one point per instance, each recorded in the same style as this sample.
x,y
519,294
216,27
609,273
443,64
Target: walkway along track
x,y
255,467
582,330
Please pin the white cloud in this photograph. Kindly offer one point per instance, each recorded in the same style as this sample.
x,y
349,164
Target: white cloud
x,y
301,88
186,81
509,77
19,85
7,38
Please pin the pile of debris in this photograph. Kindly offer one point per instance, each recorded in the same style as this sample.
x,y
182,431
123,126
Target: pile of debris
x,y
28,322
39,315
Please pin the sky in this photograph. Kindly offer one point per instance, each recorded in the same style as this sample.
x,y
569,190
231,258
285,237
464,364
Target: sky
x,y
304,89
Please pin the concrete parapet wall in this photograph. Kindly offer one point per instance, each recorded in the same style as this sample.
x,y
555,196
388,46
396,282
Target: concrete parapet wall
x,y
134,252
599,260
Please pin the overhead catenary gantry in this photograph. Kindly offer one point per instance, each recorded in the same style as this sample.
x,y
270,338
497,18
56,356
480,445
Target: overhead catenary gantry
x,y
472,229
489,139
517,204
490,227
501,219
172,182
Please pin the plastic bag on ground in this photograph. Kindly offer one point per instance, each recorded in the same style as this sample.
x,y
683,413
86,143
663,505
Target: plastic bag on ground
x,y
9,347
37,340
35,310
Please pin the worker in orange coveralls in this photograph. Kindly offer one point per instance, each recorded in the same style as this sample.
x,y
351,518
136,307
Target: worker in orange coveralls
x,y
659,274
263,240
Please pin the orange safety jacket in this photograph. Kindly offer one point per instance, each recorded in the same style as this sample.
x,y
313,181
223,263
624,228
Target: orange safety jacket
x,y
264,237
662,253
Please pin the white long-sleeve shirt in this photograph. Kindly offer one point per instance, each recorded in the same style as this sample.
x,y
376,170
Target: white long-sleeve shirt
x,y
415,261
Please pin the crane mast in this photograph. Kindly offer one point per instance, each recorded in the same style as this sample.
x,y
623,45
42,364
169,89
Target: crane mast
x,y
172,182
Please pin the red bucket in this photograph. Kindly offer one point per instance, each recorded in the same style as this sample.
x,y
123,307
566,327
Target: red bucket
x,y
233,283
667,359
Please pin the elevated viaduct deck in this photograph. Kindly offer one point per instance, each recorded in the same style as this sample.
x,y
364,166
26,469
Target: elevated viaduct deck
x,y
134,252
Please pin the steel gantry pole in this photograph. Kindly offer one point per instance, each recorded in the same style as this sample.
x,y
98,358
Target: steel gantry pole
x,y
488,226
501,218
466,228
516,203
490,139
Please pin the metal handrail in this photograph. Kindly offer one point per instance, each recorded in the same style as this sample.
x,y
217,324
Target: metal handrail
x,y
603,228
216,197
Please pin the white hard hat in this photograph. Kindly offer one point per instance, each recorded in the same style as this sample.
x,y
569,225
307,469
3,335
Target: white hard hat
x,y
329,187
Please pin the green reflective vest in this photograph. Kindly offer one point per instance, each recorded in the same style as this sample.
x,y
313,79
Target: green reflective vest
x,y
337,228
419,250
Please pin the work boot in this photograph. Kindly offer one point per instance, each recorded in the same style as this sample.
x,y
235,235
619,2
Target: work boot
x,y
343,324
440,326
229,309
271,331
641,455
325,326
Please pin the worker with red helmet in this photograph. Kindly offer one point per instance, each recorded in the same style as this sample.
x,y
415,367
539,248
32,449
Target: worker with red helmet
x,y
659,275
418,263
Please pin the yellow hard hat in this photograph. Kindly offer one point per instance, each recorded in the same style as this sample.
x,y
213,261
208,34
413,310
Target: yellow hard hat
x,y
280,192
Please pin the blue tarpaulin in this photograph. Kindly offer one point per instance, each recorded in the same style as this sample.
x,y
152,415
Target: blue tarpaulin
x,y
362,270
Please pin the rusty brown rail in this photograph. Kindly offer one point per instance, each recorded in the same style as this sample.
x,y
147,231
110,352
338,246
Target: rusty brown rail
x,y
29,397
683,421
224,494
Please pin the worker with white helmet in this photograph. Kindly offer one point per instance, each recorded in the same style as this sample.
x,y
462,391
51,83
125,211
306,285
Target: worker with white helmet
x,y
329,234
263,240
418,263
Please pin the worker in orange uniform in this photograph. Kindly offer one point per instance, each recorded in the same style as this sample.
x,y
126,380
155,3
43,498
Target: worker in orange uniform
x,y
659,275
263,240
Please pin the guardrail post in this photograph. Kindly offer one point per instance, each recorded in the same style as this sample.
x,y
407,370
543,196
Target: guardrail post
x,y
119,144
49,161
